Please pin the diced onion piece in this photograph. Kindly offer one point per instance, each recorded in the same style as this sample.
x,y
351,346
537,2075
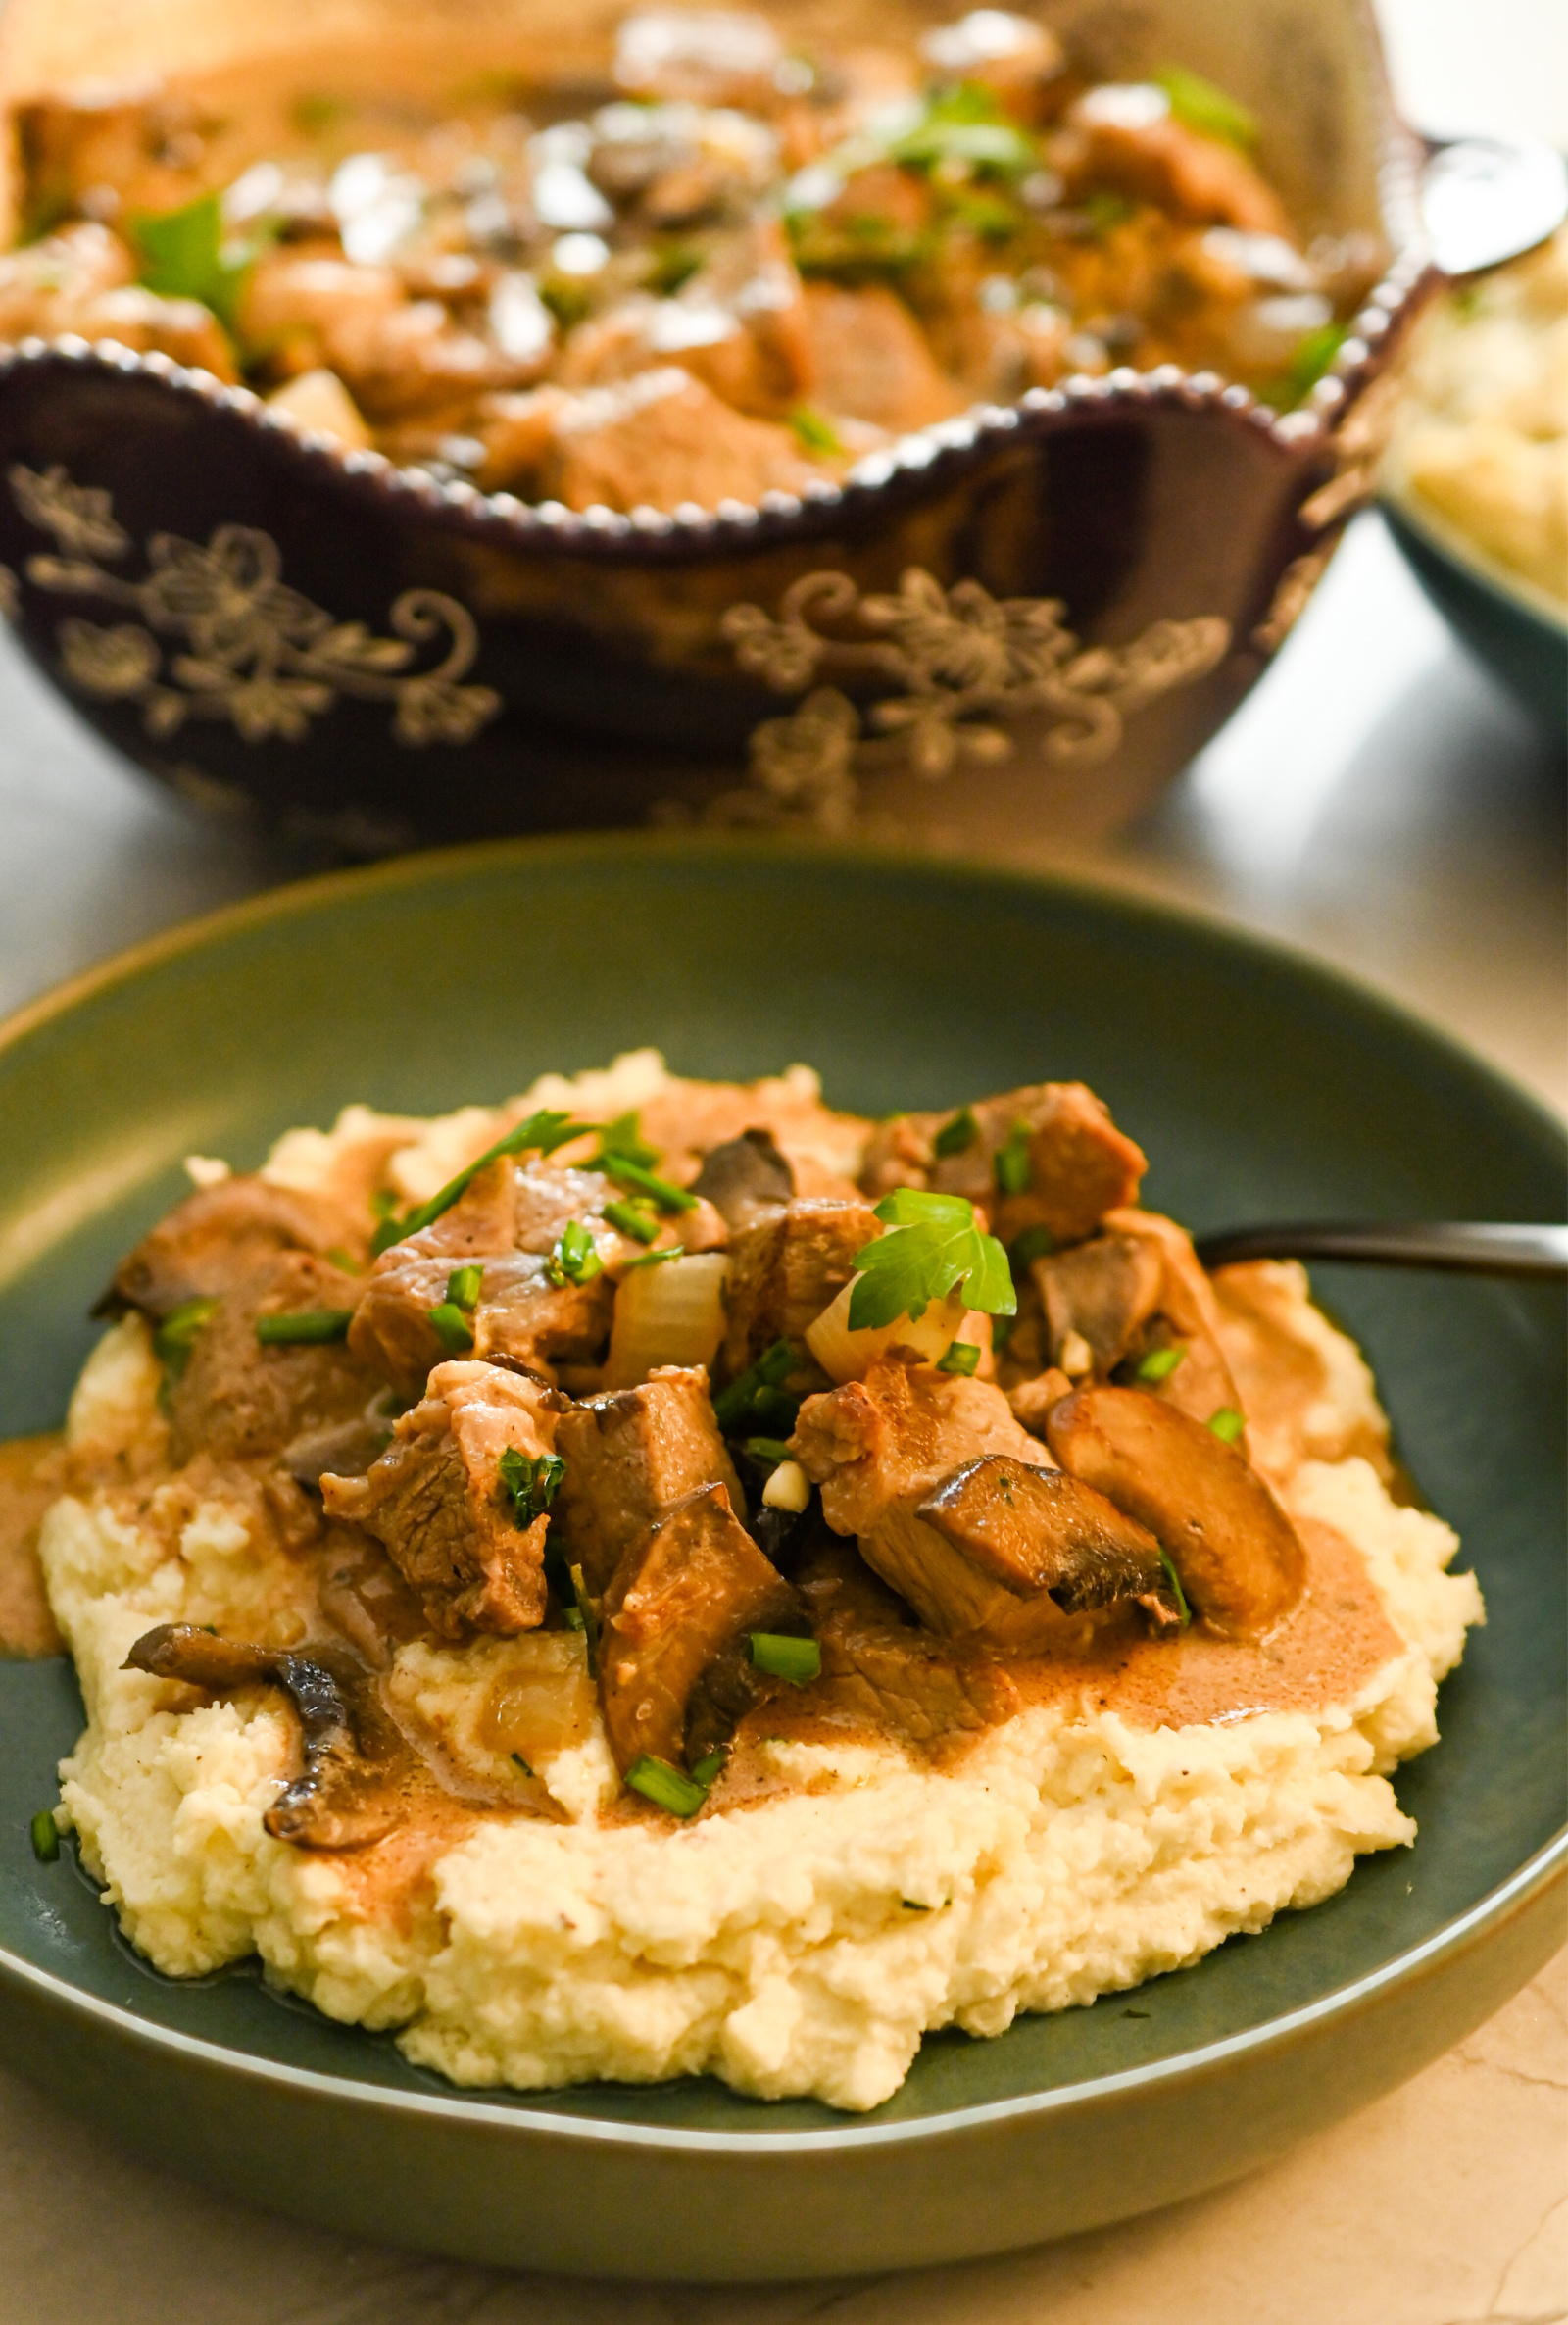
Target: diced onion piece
x,y
670,1314
321,403
846,1356
789,1487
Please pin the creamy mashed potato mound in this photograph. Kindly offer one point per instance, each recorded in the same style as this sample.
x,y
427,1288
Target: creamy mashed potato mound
x,y
799,1943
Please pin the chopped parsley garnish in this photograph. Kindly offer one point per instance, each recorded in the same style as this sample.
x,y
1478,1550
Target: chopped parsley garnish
x,y
574,1260
769,1448
1011,1163
667,1787
543,1131
530,1482
623,1137
588,1619
303,1327
1177,1593
1034,1243
813,432
633,1220
965,124
758,1394
175,1336
957,1133
45,1835
1312,358
673,265
1228,1425
463,1286
799,1660
184,256
1157,1365
1198,105
642,1181
451,1327
936,1248
962,1358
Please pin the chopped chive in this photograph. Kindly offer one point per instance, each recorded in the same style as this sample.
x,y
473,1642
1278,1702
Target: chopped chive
x,y
45,1837
711,1766
667,1787
571,1616
620,1137
1228,1425
633,1220
341,1257
958,1134
669,1251
1011,1162
383,1202
1002,1331
1159,1365
530,1481
303,1327
812,432
463,1286
522,1764
544,1130
769,1448
1175,1581
574,1260
795,1659
175,1336
627,1173
1198,105
1313,355
590,1621
913,1906
1034,1243
962,1358
746,1393
451,1327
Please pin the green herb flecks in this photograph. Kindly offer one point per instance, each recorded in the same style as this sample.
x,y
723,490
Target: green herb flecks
x,y
45,1835
574,1260
572,1617
965,124
1157,1365
588,1618
543,1131
463,1286
569,300
175,1336
310,114
1198,105
936,1247
1009,1164
814,433
628,1174
771,1450
667,1787
958,1134
530,1482
1312,358
1105,211
633,1220
1034,1243
758,1393
1228,1425
303,1327
666,1251
1177,1592
451,1327
522,1764
799,1660
708,1771
184,255
962,1358
341,1257
671,267
624,1137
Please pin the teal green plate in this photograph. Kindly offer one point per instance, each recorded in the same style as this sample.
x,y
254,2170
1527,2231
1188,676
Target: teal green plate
x,y
1503,628
1262,1086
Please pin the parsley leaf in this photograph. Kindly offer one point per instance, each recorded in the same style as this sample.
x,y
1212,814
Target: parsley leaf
x,y
184,256
935,1247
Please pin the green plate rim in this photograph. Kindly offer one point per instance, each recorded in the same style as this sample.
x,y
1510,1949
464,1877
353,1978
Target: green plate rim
x,y
1532,1881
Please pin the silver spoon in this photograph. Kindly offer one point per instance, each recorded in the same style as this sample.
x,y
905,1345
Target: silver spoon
x,y
1464,1248
1483,201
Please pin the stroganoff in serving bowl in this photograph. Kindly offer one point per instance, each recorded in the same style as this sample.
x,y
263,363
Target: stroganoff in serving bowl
x,y
612,381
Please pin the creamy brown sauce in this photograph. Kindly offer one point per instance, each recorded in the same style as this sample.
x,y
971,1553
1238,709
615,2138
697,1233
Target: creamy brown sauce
x,y
29,1483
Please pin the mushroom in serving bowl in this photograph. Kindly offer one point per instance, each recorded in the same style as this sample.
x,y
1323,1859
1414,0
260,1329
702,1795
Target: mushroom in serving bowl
x,y
577,400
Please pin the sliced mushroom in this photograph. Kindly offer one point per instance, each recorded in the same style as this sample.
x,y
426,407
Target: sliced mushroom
x,y
1038,1530
746,1180
1235,1550
1103,1290
684,1599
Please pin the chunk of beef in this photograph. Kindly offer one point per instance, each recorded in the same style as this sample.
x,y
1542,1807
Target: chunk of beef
x,y
657,441
1103,1290
80,280
520,1314
1187,1314
878,1670
685,1596
631,1454
437,1499
891,1438
364,1595
871,361
1235,1550
1117,140
785,1270
397,356
1079,1165
746,1180
237,1399
220,1238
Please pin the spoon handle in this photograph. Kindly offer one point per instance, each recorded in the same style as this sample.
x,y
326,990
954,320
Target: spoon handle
x,y
1466,1248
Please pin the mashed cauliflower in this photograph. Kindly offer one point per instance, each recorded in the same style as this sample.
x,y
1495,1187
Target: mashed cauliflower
x,y
801,1943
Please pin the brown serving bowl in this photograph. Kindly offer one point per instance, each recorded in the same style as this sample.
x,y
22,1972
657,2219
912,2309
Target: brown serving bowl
x,y
1087,582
